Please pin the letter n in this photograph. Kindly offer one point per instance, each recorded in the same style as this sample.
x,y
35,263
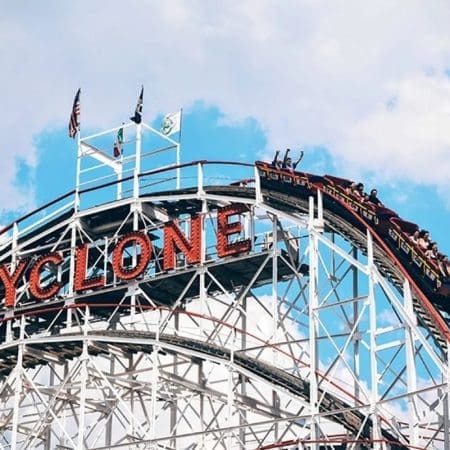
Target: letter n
x,y
175,239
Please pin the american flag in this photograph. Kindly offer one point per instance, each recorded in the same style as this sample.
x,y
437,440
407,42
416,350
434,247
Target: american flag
x,y
74,122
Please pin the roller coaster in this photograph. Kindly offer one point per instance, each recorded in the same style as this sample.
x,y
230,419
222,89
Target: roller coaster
x,y
392,234
257,310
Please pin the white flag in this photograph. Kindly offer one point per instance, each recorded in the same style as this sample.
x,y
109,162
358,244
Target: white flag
x,y
171,123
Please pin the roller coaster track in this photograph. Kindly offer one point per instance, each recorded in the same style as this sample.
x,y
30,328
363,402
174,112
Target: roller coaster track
x,y
428,315
69,346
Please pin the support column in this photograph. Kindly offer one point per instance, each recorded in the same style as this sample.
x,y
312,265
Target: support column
x,y
174,403
411,365
356,337
201,383
155,377
18,386
200,190
446,405
110,404
48,429
131,368
83,382
258,193
275,318
373,346
136,209
275,315
203,249
71,293
242,378
230,394
203,309
313,326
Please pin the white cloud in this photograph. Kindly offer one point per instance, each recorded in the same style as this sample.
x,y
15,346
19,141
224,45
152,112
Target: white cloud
x,y
406,137
369,82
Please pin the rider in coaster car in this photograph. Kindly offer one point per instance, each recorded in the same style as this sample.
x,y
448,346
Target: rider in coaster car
x,y
414,237
277,163
424,240
374,199
432,251
287,161
358,191
444,267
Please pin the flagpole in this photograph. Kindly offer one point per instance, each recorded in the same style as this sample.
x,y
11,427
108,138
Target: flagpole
x,y
120,172
119,179
137,166
75,131
137,169
77,187
73,231
137,119
179,151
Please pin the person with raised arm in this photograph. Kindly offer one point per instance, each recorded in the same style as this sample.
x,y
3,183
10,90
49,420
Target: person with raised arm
x,y
287,161
276,163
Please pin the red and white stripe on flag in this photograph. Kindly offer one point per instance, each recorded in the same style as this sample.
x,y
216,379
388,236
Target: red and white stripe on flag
x,y
74,122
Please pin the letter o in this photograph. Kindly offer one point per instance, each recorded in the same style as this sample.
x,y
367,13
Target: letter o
x,y
140,239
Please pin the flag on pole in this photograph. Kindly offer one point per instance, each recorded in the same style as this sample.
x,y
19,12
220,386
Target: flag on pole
x,y
171,123
74,122
137,118
118,144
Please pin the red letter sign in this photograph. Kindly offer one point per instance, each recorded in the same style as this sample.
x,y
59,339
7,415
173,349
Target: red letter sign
x,y
81,282
174,237
10,281
43,293
225,229
142,241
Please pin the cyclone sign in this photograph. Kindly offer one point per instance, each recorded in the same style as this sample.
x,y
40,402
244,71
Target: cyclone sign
x,y
28,273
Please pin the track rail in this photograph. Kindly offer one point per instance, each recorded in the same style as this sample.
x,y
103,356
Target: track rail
x,y
388,264
41,351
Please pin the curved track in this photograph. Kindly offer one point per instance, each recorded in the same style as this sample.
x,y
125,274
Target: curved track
x,y
430,313
69,346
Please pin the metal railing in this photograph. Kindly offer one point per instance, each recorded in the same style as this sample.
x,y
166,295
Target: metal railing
x,y
194,175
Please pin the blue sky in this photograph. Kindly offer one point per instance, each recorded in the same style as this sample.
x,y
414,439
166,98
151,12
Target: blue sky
x,y
363,88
